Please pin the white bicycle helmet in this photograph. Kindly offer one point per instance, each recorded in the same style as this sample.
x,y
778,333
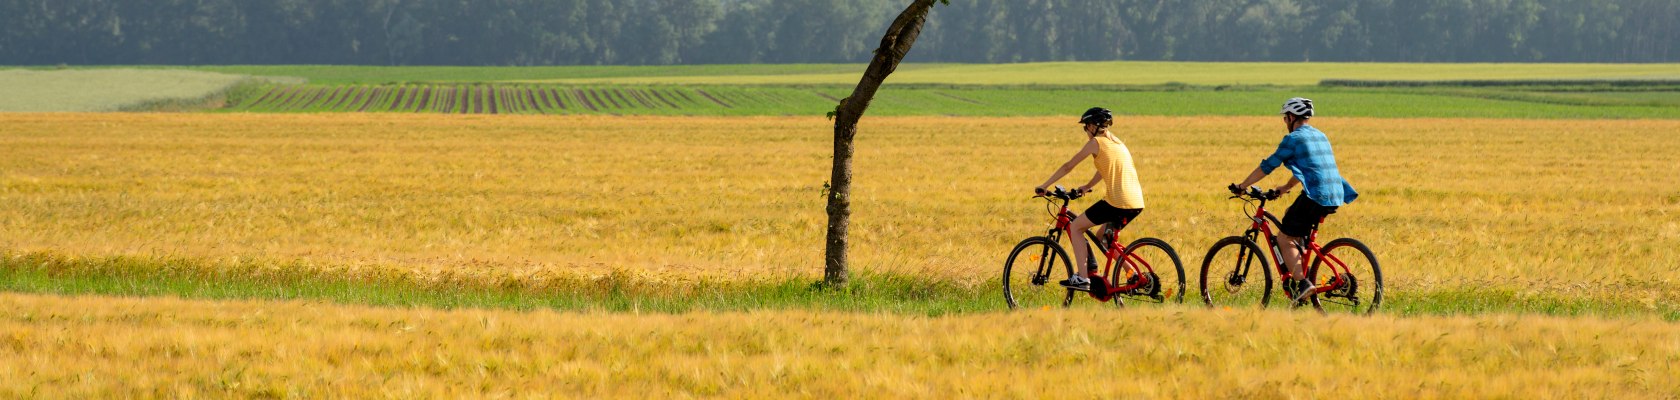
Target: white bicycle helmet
x,y
1299,106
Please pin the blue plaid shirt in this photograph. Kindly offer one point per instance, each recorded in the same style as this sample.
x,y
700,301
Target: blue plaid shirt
x,y
1306,152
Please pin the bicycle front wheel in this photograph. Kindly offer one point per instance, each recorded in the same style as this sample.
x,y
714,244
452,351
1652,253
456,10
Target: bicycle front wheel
x,y
1351,268
1153,256
1032,274
1235,273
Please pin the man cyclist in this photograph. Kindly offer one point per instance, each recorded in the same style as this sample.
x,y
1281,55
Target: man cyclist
x,y
1123,201
1306,152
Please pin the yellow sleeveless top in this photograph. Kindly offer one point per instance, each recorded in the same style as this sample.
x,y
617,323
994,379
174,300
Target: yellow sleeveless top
x,y
1114,163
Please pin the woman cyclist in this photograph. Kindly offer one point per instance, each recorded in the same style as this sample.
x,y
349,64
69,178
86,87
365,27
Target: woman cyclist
x,y
1123,200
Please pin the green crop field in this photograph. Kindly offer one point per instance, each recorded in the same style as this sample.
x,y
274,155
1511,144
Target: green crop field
x,y
336,75
1056,73
717,100
1133,88
1559,91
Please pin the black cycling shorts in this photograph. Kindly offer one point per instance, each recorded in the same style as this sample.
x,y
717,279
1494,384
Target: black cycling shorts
x,y
1303,217
1102,213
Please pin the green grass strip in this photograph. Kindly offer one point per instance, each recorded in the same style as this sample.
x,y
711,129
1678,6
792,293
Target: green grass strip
x,y
618,292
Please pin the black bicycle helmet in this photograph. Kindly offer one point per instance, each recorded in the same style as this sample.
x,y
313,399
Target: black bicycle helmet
x,y
1096,115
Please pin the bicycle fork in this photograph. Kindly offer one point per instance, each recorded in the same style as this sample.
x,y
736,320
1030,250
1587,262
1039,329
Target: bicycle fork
x,y
1045,265
1239,272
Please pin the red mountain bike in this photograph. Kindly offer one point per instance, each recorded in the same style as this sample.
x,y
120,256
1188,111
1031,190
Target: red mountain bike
x,y
1344,272
1032,272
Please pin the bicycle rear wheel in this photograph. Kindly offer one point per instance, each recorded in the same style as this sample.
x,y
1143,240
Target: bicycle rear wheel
x,y
1032,272
1356,274
1235,273
1151,254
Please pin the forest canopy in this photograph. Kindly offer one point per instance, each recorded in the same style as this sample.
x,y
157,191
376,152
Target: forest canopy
x,y
659,32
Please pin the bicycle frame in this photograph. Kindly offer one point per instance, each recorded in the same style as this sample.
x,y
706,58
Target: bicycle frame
x,y
1261,224
1113,252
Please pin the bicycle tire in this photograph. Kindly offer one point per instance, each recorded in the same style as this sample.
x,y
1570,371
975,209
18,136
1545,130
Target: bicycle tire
x,y
1238,257
1169,282
1366,280
1021,290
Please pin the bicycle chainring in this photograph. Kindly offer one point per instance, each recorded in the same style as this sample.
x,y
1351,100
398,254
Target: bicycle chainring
x,y
1348,289
1151,289
1099,288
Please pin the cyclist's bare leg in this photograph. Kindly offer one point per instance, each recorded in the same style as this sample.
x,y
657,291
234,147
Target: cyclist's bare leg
x,y
1081,246
1291,254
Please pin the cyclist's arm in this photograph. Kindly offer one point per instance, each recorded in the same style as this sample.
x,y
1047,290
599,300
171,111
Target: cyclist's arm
x,y
1089,149
1253,177
1095,178
1285,151
1287,186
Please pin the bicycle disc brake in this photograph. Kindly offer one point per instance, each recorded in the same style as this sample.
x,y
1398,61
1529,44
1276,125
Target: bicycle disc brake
x,y
1234,282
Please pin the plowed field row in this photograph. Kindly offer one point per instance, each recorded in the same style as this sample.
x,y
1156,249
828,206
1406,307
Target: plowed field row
x,y
488,99
816,100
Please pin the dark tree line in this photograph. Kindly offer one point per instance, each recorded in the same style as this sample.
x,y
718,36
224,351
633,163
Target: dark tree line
x,y
639,32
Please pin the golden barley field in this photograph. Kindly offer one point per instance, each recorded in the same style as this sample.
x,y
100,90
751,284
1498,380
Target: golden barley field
x,y
96,347
1585,209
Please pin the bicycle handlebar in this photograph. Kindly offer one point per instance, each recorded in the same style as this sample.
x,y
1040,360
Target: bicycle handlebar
x,y
1061,193
1254,193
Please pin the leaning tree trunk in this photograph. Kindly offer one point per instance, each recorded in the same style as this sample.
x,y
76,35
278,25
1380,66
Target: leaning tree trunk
x,y
894,45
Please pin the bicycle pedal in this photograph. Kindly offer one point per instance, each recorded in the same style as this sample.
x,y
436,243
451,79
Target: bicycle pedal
x,y
1086,288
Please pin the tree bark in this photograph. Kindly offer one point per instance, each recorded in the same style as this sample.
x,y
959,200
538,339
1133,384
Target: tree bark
x,y
894,45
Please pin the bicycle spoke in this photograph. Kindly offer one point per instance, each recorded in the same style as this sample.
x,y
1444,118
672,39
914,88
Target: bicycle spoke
x,y
1155,263
1234,275
1031,272
1353,274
